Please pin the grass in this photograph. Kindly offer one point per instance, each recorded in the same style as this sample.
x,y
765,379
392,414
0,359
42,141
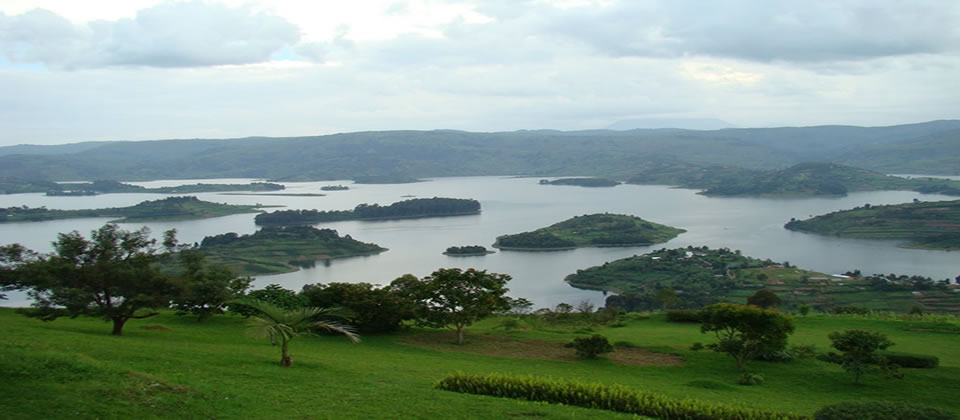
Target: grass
x,y
170,366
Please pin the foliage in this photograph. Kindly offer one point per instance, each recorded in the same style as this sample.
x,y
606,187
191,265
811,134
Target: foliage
x,y
804,309
466,250
764,298
375,310
590,347
451,297
909,360
281,325
881,410
859,352
591,230
111,275
666,297
170,208
684,315
749,379
272,294
417,207
856,310
745,331
111,186
204,290
614,398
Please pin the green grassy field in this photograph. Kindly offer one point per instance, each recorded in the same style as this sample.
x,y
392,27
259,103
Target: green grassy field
x,y
173,367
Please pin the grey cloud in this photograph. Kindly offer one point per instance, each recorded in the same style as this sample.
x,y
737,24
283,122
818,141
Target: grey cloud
x,y
168,35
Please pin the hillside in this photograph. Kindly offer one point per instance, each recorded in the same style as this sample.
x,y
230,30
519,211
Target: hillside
x,y
406,209
931,225
170,208
590,230
418,154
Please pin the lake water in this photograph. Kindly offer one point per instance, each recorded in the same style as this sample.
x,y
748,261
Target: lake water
x,y
511,205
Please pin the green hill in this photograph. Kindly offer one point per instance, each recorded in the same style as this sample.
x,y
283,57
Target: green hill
x,y
932,225
590,230
170,208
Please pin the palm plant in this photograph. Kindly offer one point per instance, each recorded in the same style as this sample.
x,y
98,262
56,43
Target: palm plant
x,y
281,325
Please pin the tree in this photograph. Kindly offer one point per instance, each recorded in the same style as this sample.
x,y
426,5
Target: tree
x,y
110,275
764,298
273,294
374,310
282,325
666,297
205,290
744,332
452,298
858,349
11,258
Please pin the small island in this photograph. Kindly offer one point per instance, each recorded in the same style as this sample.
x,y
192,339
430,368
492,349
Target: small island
x,y
385,179
282,249
407,209
334,188
926,225
170,208
582,182
115,187
467,251
596,230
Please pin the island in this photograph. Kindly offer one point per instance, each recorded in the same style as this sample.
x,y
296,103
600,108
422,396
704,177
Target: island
x,y
467,251
114,187
170,208
596,230
12,185
582,182
698,276
334,188
386,179
927,225
801,180
407,209
282,249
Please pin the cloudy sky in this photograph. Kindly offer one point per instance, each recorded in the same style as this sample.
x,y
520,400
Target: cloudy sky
x,y
145,69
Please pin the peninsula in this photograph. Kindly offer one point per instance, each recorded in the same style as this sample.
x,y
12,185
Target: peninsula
x,y
582,182
170,208
602,229
115,187
407,209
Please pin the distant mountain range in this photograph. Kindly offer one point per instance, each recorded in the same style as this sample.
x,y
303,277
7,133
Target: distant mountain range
x,y
925,148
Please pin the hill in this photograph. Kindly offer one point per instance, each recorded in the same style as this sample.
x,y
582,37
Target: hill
x,y
406,209
590,230
931,225
170,208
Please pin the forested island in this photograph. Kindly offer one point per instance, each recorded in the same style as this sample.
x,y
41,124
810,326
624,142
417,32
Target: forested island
x,y
467,251
929,225
602,229
407,209
582,182
170,208
386,179
696,276
113,187
334,188
10,185
805,179
280,249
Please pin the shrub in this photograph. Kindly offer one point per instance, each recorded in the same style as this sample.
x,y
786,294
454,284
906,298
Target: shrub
x,y
590,347
908,360
613,398
850,310
749,379
690,316
697,346
859,349
880,410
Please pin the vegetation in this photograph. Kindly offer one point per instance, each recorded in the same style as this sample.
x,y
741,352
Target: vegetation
x,y
590,230
9,185
859,352
386,179
204,289
372,309
912,361
280,249
467,250
934,225
745,332
170,208
113,187
334,188
590,347
881,410
455,298
765,299
414,208
582,182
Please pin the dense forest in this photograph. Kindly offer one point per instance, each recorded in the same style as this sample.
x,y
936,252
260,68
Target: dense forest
x,y
417,207
590,230
170,208
467,250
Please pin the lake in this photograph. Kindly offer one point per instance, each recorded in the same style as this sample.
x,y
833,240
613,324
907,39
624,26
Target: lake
x,y
512,205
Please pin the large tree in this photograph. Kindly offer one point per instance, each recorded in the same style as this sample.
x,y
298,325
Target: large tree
x,y
111,275
453,298
859,349
203,289
745,332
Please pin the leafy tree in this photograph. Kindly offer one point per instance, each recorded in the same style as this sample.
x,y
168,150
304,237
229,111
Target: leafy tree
x,y
282,325
804,309
273,294
520,306
453,298
666,297
205,290
859,349
11,257
111,275
373,309
764,298
744,332
590,347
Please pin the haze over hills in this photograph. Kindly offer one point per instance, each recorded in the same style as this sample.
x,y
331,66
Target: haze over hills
x,y
929,148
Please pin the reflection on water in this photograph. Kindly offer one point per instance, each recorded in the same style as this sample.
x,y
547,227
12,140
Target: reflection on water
x,y
511,205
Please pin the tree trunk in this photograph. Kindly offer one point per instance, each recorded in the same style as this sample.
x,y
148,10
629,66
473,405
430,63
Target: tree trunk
x,y
118,325
459,334
741,363
285,359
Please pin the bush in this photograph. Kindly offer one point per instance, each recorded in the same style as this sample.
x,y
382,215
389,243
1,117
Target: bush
x,y
591,347
880,410
690,316
850,310
697,346
908,360
613,398
749,379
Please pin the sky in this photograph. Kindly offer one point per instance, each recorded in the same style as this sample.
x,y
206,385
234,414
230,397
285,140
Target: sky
x,y
144,69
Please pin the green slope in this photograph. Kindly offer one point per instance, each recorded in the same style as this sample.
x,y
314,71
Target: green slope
x,y
590,230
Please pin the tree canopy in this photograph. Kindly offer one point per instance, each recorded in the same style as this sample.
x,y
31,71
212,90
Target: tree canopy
x,y
744,332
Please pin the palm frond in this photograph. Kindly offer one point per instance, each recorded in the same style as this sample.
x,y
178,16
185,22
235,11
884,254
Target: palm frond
x,y
337,328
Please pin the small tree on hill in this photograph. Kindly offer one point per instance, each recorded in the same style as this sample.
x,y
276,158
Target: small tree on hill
x,y
667,298
205,290
453,298
858,349
744,332
764,298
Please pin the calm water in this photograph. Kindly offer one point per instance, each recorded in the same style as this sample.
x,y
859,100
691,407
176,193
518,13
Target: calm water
x,y
512,205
